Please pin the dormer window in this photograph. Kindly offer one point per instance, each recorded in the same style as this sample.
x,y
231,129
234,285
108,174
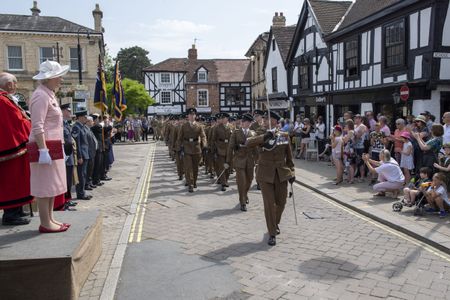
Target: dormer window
x,y
202,76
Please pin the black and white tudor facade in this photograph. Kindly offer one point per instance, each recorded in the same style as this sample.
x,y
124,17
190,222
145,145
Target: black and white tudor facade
x,y
360,57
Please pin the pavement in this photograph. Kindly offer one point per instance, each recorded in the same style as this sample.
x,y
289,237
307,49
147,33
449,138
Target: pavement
x,y
201,246
360,197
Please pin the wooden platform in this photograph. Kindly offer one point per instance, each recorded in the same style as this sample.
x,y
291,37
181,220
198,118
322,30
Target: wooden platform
x,y
49,266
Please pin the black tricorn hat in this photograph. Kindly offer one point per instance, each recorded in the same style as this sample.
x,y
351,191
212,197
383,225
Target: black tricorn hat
x,y
273,115
191,110
247,117
81,113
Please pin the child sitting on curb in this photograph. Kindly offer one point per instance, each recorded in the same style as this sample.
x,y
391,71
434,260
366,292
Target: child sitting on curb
x,y
437,196
420,186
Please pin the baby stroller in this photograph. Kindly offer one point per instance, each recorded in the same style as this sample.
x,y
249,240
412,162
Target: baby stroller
x,y
419,202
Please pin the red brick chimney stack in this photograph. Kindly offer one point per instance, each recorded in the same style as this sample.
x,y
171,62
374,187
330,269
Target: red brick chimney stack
x,y
192,53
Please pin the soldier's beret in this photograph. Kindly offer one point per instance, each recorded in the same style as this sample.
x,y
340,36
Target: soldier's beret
x,y
213,119
273,115
258,112
232,119
66,106
81,113
191,110
247,117
224,115
218,115
239,117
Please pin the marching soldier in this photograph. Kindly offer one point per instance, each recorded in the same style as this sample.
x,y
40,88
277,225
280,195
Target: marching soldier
x,y
154,125
210,154
175,147
220,139
191,141
169,128
275,169
79,133
243,158
258,127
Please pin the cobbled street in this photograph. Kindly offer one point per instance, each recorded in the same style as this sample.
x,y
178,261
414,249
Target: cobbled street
x,y
201,246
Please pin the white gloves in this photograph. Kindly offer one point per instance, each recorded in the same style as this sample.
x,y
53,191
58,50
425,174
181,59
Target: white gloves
x,y
226,166
44,157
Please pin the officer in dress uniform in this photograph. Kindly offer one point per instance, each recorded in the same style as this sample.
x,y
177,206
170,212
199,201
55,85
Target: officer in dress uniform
x,y
220,140
93,146
243,158
68,151
97,130
79,133
275,169
191,141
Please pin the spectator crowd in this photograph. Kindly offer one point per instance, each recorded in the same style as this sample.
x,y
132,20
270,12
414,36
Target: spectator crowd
x,y
364,148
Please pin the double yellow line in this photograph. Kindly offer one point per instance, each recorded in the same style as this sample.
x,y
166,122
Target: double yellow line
x,y
138,221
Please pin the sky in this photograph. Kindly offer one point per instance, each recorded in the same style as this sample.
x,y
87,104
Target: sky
x,y
167,28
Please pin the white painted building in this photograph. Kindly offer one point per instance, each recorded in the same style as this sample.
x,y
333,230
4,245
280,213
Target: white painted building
x,y
278,44
378,49
309,59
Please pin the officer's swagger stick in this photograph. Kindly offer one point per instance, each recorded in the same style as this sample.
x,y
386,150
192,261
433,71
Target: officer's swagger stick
x,y
291,195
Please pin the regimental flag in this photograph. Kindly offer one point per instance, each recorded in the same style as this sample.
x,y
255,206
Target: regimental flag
x,y
120,103
100,88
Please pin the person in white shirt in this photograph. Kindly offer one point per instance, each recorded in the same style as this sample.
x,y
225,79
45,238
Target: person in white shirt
x,y
390,176
446,120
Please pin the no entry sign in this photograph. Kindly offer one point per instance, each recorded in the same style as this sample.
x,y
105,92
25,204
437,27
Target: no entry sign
x,y
404,93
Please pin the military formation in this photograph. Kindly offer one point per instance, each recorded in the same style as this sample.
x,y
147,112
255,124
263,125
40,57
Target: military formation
x,y
245,145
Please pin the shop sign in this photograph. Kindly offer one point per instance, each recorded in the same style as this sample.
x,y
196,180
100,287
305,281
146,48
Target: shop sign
x,y
203,109
321,99
164,110
441,55
279,104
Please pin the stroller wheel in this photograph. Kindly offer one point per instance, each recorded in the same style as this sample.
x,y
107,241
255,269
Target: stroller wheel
x,y
397,206
418,211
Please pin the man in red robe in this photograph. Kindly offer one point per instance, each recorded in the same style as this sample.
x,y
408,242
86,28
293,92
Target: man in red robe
x,y
15,128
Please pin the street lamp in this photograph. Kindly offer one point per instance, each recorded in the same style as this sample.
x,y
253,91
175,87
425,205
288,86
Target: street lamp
x,y
80,78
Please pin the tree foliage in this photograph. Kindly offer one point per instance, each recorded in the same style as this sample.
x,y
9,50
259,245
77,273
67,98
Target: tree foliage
x,y
132,61
136,96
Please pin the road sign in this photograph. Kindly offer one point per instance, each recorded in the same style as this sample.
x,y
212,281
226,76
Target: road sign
x,y
404,93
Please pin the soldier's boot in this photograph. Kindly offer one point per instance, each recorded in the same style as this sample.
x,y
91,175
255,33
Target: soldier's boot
x,y
223,189
191,189
272,241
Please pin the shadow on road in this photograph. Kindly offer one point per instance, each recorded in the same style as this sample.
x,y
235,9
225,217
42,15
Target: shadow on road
x,y
208,215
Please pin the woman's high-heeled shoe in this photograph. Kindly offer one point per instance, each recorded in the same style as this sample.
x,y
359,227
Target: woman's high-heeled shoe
x,y
62,228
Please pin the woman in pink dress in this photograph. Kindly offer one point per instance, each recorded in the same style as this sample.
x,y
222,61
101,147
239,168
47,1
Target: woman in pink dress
x,y
48,177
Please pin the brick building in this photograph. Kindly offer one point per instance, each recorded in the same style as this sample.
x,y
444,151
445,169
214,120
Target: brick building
x,y
28,40
210,85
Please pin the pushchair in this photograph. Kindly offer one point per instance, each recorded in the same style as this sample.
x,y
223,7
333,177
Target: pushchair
x,y
419,203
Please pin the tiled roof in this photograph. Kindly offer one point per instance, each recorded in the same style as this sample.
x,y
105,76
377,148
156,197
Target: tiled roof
x,y
364,8
39,23
261,39
233,70
219,70
283,36
329,13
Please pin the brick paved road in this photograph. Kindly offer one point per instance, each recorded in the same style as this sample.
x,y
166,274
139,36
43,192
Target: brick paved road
x,y
113,200
331,254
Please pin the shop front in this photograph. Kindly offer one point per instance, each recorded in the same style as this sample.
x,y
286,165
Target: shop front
x,y
391,102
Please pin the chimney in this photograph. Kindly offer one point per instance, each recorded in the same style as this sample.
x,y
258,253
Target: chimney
x,y
98,15
279,20
192,53
35,10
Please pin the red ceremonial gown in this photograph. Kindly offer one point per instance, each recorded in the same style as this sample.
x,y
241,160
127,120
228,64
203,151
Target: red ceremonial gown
x,y
15,128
